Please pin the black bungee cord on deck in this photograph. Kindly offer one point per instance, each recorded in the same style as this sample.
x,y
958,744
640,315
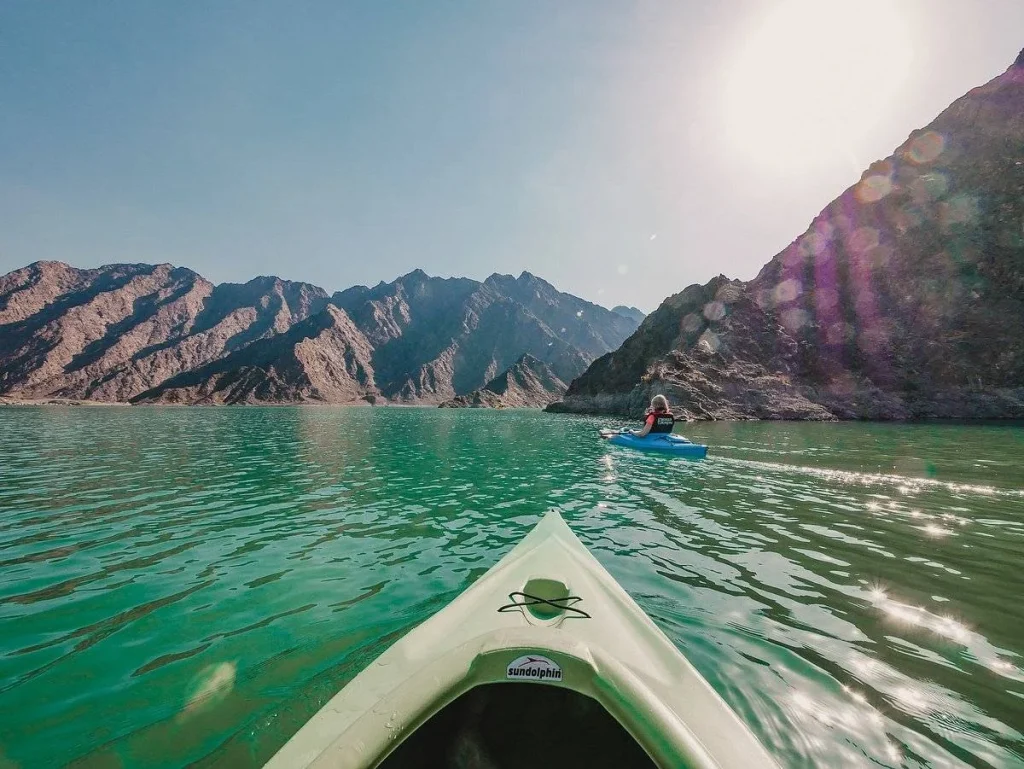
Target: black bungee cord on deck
x,y
562,604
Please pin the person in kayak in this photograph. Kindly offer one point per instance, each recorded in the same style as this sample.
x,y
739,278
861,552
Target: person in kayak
x,y
658,420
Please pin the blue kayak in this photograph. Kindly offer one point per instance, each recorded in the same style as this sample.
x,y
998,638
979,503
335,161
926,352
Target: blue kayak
x,y
662,443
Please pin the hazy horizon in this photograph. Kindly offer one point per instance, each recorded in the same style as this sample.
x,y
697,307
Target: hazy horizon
x,y
620,153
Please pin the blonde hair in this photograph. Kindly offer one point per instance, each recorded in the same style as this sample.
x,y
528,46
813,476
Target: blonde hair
x,y
659,403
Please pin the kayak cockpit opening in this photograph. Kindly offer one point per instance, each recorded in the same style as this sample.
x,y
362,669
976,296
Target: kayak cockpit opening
x,y
517,725
545,600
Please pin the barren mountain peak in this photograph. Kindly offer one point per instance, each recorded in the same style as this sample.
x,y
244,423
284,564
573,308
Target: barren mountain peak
x,y
139,332
903,299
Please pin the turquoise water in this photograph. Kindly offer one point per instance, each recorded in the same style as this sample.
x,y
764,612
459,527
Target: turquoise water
x,y
187,586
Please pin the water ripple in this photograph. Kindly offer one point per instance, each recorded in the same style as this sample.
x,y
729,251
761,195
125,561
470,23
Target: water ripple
x,y
187,586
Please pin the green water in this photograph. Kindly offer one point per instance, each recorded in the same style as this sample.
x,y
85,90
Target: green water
x,y
187,586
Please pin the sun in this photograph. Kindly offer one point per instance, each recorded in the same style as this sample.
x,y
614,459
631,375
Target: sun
x,y
811,77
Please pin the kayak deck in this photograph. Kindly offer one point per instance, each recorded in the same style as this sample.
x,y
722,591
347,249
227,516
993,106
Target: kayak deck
x,y
660,443
547,617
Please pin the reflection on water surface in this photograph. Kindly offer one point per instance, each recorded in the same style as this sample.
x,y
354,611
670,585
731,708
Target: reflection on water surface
x,y
189,585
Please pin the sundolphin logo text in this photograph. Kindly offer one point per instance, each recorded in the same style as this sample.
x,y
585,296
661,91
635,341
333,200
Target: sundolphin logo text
x,y
534,668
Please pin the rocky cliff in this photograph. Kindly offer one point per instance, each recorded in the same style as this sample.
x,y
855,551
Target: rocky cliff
x,y
437,338
903,299
527,383
145,333
323,359
591,329
111,333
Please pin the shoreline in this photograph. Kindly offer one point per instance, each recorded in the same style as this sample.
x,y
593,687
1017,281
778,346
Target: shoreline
x,y
9,402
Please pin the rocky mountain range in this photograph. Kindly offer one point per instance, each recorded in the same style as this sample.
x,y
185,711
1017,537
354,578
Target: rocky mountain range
x,y
155,333
630,312
903,299
527,383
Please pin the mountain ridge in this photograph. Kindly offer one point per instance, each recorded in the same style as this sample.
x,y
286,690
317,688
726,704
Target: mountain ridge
x,y
143,333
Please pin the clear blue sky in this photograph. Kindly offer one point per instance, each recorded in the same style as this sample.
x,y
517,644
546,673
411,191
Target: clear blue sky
x,y
622,150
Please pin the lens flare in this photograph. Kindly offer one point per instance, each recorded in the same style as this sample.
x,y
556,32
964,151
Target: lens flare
x,y
714,311
925,148
873,188
212,685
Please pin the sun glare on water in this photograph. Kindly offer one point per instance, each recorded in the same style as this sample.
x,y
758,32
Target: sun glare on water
x,y
813,75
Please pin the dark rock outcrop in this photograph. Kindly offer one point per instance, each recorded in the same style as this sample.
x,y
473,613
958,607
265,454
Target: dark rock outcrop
x,y
528,383
904,298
